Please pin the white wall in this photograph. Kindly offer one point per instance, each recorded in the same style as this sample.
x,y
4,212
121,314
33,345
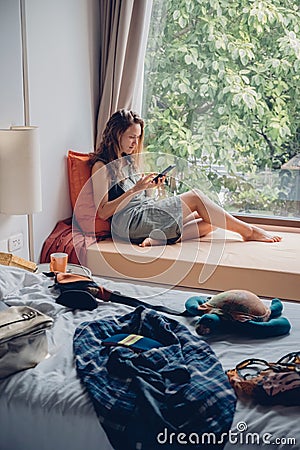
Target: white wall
x,y
11,103
62,50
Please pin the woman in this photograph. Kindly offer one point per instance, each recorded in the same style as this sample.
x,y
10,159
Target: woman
x,y
121,195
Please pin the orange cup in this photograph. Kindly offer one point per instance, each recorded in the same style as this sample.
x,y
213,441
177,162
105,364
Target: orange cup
x,y
58,262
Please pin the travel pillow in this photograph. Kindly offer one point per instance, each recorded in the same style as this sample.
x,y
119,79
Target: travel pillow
x,y
238,311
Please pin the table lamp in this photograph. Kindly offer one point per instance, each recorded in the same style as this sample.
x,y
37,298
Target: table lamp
x,y
20,175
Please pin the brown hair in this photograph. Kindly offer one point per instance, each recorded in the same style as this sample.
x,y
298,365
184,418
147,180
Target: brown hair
x,y
109,148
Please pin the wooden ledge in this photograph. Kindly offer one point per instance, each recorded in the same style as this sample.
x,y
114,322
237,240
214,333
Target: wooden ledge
x,y
219,262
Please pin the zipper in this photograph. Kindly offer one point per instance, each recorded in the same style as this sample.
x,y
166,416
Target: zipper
x,y
24,334
25,316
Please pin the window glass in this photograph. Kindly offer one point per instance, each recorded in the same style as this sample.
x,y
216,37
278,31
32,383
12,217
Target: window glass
x,y
222,90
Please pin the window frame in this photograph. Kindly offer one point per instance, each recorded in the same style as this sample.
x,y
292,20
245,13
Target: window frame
x,y
276,221
273,221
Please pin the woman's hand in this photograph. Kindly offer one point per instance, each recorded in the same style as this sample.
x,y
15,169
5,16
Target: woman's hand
x,y
146,182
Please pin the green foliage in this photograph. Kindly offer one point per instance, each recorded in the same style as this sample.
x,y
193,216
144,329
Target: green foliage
x,y
222,82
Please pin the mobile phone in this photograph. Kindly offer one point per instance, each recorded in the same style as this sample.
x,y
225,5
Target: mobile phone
x,y
163,173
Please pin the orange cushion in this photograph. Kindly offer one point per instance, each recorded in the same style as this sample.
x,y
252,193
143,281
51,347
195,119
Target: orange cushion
x,y
79,172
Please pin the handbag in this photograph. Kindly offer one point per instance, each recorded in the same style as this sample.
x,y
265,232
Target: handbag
x,y
23,340
80,291
269,383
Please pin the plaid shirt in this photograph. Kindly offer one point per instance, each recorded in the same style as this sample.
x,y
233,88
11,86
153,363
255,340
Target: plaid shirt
x,y
180,386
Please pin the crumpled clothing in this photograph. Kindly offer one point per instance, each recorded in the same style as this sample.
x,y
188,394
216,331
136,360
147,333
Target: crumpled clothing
x,y
180,386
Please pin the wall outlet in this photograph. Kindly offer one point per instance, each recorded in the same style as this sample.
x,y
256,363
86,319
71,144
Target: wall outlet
x,y
15,242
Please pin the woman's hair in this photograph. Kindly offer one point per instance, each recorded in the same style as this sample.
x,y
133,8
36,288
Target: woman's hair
x,y
109,148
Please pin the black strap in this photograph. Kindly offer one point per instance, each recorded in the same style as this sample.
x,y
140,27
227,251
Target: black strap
x,y
93,289
129,301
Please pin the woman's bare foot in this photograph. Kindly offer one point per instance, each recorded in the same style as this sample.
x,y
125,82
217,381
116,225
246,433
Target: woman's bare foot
x,y
258,234
149,242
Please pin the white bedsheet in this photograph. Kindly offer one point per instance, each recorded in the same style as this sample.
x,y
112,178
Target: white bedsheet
x,y
47,408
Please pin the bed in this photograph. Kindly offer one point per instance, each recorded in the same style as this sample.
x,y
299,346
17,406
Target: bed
x,y
47,407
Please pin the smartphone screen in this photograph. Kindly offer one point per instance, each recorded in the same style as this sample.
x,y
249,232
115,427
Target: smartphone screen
x,y
164,172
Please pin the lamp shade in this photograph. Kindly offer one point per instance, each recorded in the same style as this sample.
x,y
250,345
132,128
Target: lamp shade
x,y
20,173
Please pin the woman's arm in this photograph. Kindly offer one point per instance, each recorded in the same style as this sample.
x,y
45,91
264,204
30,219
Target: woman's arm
x,y
105,208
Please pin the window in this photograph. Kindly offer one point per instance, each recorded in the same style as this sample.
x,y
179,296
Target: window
x,y
222,90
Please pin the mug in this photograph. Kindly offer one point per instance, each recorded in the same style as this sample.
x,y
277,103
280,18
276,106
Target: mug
x,y
58,262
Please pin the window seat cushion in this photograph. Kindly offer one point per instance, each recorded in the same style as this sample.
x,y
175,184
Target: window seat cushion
x,y
218,262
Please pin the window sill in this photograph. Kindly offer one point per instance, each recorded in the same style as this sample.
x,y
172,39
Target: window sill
x,y
217,262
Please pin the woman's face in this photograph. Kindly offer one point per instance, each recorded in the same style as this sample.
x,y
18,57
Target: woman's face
x,y
130,139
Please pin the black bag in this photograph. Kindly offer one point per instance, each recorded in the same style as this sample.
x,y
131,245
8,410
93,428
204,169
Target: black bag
x,y
79,291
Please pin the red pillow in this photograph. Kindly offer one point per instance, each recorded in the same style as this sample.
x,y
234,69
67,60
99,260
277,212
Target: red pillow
x,y
79,172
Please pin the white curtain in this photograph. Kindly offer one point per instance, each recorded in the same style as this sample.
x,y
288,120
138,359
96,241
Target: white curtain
x,y
124,26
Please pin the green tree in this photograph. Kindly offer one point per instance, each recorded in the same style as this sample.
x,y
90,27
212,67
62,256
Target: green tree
x,y
222,82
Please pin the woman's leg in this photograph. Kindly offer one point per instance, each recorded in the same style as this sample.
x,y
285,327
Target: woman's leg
x,y
195,229
191,217
215,216
201,215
